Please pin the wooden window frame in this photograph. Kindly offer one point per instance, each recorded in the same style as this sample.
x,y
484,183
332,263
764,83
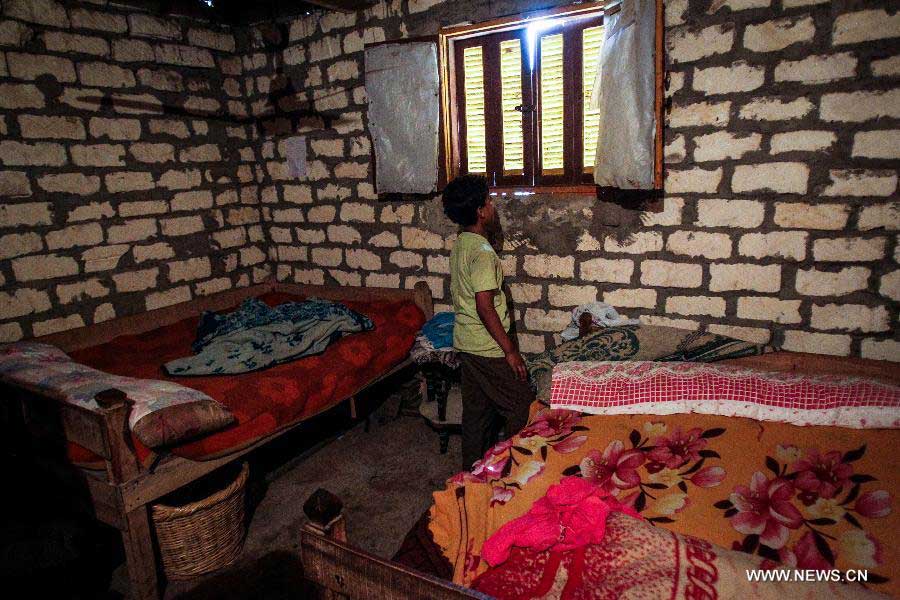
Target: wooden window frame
x,y
452,40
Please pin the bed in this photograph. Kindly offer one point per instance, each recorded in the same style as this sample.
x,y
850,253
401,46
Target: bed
x,y
688,510
120,476
828,491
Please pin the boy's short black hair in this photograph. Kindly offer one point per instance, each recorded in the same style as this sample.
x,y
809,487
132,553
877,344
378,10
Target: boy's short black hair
x,y
463,196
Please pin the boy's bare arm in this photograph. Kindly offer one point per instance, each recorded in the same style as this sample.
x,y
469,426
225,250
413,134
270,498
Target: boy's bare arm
x,y
484,305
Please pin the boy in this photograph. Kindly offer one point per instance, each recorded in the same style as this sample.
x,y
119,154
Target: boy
x,y
494,379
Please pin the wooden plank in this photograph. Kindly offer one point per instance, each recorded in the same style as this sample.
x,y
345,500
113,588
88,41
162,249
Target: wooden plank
x,y
356,574
140,556
820,364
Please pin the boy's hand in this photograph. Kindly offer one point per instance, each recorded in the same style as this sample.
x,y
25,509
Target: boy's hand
x,y
514,360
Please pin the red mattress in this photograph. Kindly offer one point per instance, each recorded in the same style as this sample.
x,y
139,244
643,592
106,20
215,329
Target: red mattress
x,y
264,401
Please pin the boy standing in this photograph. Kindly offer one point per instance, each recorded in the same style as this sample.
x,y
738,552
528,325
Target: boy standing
x,y
494,379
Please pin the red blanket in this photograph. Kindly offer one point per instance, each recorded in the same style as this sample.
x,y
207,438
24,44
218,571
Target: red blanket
x,y
265,401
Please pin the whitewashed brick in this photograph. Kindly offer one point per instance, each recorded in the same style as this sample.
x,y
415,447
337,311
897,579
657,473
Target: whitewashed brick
x,y
716,212
636,243
70,183
402,213
17,244
817,69
363,259
877,144
700,114
355,211
737,5
850,317
181,225
602,269
132,231
142,208
33,126
98,155
849,249
571,295
128,50
686,44
886,67
406,260
46,266
203,153
779,34
115,129
631,298
775,109
82,290
10,332
816,343
168,298
783,178
696,305
550,320
723,144
799,215
748,334
101,21
31,66
321,214
438,264
858,107
661,273
103,258
185,56
699,243
546,266
757,278
813,282
327,257
310,236
16,96
881,350
91,212
865,25
886,216
761,308
383,280
89,234
861,183
739,77
180,180
98,74
675,150
525,293
344,234
385,239
211,39
39,154
420,238
23,301
802,141
30,213
790,245
14,184
530,343
693,180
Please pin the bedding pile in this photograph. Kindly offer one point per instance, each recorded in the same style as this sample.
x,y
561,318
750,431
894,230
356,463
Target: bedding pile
x,y
257,336
638,342
807,497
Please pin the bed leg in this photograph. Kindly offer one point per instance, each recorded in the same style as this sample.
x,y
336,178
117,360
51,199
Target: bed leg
x,y
139,555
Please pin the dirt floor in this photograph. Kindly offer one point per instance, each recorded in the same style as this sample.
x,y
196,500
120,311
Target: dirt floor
x,y
384,473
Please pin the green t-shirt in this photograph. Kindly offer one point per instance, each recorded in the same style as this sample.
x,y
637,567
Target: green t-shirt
x,y
475,267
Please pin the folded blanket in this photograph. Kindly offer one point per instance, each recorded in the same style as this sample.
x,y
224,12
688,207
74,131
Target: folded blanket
x,y
257,336
439,330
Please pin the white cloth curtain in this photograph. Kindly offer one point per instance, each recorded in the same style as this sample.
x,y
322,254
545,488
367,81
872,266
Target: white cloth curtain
x,y
624,96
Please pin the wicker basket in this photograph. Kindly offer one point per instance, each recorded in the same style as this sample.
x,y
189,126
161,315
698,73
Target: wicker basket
x,y
202,536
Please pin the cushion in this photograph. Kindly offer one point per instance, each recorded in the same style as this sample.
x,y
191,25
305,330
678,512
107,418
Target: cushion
x,y
643,387
163,414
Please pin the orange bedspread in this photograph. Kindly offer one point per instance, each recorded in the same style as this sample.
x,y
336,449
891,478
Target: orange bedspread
x,y
265,401
809,497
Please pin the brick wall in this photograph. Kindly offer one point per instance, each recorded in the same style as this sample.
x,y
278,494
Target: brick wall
x,y
780,211
780,217
125,168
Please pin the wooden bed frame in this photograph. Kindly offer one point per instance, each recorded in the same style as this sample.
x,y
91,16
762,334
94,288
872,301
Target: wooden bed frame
x,y
120,493
341,571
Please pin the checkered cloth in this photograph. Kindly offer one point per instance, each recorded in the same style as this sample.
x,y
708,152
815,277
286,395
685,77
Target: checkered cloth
x,y
644,387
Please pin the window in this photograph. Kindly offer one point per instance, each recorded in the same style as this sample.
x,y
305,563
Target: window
x,y
516,97
519,100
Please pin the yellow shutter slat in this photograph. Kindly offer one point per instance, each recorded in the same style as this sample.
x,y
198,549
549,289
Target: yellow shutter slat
x,y
592,41
552,104
473,73
510,97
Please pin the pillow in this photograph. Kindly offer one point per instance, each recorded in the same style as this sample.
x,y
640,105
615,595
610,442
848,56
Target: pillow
x,y
639,342
163,413
640,387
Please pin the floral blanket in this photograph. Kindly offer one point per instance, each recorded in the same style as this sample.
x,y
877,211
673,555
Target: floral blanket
x,y
638,342
257,336
807,497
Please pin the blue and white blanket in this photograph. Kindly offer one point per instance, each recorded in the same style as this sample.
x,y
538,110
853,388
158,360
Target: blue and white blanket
x,y
257,336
